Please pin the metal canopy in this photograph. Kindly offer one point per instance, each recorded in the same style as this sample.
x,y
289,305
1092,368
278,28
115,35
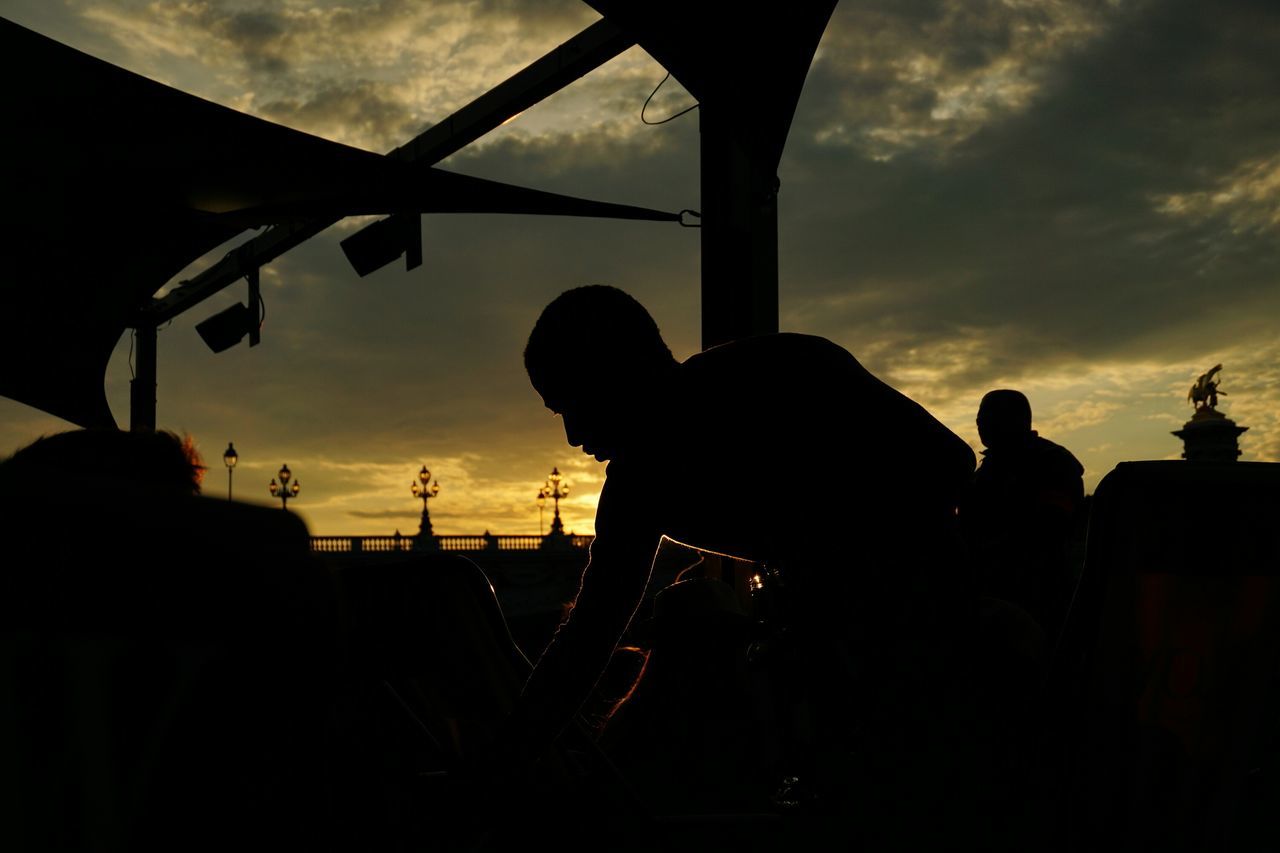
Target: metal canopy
x,y
587,50
114,182
746,68
749,65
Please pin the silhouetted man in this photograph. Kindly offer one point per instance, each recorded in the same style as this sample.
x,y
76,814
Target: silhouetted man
x,y
1020,511
781,449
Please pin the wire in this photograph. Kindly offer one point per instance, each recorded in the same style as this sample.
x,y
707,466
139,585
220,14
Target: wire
x,y
262,310
668,118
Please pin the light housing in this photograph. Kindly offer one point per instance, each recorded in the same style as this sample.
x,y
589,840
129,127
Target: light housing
x,y
227,328
374,246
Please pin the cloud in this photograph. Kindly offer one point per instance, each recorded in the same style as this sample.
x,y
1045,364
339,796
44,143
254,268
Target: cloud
x,y
1073,416
383,513
356,109
896,77
1247,200
1034,240
369,73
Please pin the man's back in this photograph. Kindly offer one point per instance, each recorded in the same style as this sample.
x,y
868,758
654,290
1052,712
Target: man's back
x,y
1019,517
780,447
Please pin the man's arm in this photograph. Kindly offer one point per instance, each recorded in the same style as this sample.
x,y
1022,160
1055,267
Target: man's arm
x,y
613,585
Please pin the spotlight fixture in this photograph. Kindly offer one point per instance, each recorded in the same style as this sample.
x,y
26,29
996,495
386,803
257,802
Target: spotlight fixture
x,y
227,328
373,247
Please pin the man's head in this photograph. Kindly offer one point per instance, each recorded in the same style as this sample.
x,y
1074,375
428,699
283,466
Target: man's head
x,y
151,463
1004,418
596,357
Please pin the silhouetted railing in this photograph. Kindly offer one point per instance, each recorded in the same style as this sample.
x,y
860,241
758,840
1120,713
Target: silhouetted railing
x,y
375,544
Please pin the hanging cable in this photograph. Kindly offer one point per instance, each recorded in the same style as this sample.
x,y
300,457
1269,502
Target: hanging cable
x,y
668,118
694,219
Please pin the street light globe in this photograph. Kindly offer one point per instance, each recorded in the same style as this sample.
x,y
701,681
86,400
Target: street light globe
x,y
295,488
284,475
275,490
230,457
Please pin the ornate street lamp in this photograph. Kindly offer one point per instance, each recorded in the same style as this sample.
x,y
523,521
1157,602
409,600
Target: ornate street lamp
x,y
555,489
542,503
284,491
426,490
230,458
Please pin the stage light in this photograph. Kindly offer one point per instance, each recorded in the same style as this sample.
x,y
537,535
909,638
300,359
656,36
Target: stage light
x,y
227,328
373,247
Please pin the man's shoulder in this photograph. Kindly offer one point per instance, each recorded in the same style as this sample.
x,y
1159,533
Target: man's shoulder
x,y
1055,455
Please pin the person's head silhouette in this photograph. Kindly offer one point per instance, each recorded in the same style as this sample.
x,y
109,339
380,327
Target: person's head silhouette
x,y
144,462
1004,419
598,360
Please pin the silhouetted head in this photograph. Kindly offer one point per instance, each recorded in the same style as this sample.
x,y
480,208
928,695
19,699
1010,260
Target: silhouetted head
x,y
1004,418
156,463
597,358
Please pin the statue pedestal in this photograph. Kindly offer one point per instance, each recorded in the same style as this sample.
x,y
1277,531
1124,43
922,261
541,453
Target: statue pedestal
x,y
1210,436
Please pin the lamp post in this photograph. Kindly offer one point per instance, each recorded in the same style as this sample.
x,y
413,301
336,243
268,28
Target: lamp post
x,y
426,490
230,458
542,503
555,489
284,491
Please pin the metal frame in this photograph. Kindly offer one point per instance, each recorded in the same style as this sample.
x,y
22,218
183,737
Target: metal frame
x,y
581,54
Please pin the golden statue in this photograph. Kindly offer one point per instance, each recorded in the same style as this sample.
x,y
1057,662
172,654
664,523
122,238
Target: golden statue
x,y
1204,394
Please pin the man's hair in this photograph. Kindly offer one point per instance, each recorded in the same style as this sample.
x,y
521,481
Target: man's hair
x,y
595,333
159,462
1006,407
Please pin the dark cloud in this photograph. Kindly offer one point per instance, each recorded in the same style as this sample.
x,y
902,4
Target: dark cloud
x,y
543,16
1043,230
893,76
366,73
260,37
362,109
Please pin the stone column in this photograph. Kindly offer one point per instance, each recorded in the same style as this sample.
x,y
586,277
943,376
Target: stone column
x,y
1210,436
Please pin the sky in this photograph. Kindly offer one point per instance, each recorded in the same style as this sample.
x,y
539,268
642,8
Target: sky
x,y
1080,200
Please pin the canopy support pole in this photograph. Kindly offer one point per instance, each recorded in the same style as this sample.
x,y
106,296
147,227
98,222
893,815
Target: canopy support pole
x,y
739,234
142,388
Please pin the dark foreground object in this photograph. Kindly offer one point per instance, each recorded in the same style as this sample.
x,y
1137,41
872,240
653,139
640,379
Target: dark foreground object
x,y
179,674
166,665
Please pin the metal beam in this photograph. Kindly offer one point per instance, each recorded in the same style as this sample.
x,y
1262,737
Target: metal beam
x,y
586,51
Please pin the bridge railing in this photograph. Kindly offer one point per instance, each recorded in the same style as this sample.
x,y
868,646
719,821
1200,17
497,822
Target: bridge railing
x,y
465,543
